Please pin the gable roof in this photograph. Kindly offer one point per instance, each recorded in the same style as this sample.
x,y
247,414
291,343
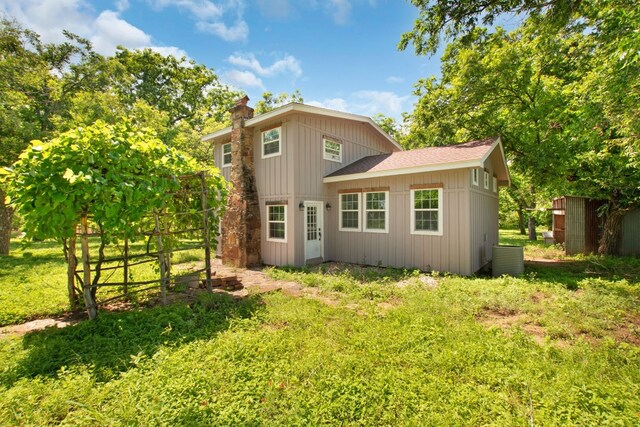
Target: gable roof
x,y
428,159
303,108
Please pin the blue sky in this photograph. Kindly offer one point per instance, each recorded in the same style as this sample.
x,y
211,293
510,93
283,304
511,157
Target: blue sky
x,y
340,54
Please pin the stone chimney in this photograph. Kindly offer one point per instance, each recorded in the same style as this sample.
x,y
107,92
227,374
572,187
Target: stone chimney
x,y
241,222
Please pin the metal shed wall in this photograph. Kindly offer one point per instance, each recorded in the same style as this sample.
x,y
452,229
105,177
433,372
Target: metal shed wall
x,y
630,238
574,225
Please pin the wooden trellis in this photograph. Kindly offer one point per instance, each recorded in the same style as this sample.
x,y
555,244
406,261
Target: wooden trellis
x,y
86,280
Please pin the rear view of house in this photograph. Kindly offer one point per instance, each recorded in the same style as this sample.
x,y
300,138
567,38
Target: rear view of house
x,y
313,185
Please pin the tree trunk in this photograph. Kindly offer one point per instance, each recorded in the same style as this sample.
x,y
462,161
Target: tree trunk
x,y
89,301
532,228
6,215
608,244
72,265
521,220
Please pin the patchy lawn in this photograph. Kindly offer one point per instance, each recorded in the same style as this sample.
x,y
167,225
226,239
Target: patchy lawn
x,y
559,346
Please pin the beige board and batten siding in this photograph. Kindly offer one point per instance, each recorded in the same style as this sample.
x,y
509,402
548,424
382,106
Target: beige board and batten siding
x,y
358,140
399,248
574,225
483,216
226,174
274,182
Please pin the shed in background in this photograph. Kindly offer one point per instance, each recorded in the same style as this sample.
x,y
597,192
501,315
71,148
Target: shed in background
x,y
576,224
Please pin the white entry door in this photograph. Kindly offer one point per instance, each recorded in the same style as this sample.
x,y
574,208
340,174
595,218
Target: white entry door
x,y
314,230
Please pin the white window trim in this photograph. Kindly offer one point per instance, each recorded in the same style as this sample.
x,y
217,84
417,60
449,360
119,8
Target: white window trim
x,y
474,177
271,239
386,213
324,150
486,180
413,215
359,213
495,184
279,152
224,165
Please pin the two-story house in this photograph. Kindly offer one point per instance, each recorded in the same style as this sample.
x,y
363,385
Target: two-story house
x,y
312,184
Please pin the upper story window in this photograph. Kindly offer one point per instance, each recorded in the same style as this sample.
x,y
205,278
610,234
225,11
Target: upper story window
x,y
426,211
486,180
271,142
226,154
376,212
277,223
495,184
332,150
350,212
474,176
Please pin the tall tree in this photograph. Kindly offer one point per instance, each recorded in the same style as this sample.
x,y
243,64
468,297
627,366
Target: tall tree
x,y
31,96
563,98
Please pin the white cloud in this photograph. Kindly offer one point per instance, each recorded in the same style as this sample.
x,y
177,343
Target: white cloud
x,y
238,32
339,104
243,79
372,102
111,31
394,79
202,8
287,65
122,5
213,16
368,103
49,17
339,10
105,31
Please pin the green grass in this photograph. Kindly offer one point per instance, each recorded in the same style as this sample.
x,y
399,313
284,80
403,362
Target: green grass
x,y
561,346
33,279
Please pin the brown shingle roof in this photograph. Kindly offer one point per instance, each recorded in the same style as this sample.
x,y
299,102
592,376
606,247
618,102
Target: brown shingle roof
x,y
429,156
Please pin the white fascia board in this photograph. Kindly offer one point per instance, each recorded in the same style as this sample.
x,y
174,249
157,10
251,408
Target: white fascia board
x,y
303,108
404,171
498,143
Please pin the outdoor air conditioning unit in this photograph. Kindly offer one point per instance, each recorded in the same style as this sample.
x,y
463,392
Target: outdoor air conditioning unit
x,y
507,260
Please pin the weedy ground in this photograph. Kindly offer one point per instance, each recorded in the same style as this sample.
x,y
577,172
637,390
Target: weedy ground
x,y
558,346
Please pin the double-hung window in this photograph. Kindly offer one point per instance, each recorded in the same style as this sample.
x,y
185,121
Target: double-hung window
x,y
332,150
277,223
486,180
226,154
376,211
271,142
426,211
350,212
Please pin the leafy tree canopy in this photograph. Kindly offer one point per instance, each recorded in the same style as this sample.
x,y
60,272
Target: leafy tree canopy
x,y
459,19
116,174
269,102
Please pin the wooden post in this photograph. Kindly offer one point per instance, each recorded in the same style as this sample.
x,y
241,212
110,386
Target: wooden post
x,y
205,231
72,265
167,259
163,278
89,302
125,267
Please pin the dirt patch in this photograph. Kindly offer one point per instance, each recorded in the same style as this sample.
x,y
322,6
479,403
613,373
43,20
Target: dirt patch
x,y
506,319
41,324
539,296
629,331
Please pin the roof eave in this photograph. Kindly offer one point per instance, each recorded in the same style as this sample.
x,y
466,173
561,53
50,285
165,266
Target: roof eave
x,y
303,109
498,143
405,171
